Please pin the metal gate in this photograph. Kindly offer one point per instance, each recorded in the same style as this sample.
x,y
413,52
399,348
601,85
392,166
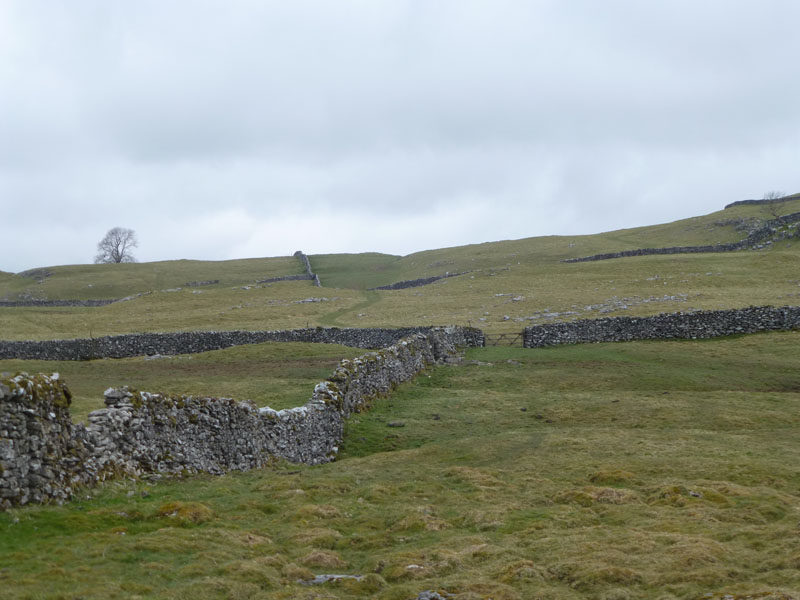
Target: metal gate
x,y
503,339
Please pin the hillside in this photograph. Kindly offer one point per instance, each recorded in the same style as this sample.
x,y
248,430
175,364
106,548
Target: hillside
x,y
83,282
658,469
505,284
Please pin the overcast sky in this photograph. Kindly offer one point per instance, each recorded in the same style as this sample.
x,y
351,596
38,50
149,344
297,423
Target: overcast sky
x,y
235,128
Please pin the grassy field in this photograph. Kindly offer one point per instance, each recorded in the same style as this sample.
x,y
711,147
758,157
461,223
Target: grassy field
x,y
526,293
641,470
80,282
509,285
662,470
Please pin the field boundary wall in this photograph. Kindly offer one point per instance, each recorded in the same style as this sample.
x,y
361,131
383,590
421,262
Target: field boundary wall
x,y
44,457
761,237
192,342
694,325
410,283
307,264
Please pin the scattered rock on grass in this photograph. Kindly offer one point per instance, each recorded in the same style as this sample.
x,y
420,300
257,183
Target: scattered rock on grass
x,y
431,595
319,579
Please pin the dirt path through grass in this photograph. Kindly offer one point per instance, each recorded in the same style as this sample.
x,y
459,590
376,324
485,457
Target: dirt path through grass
x,y
332,318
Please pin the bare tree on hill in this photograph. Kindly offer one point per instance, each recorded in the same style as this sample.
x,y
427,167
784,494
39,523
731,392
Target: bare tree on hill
x,y
772,204
116,246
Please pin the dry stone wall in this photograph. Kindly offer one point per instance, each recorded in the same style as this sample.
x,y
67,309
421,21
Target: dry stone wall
x,y
45,457
192,342
757,239
42,454
409,283
695,325
307,264
201,283
47,303
763,201
303,277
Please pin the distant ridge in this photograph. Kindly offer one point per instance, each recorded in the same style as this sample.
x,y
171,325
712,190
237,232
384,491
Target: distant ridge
x,y
764,201
757,240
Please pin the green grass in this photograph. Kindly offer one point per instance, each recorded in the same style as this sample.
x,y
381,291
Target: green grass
x,y
641,470
636,286
280,375
355,271
271,306
499,272
607,471
79,282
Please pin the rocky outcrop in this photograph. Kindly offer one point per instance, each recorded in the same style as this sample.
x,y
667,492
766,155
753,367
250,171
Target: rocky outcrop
x,y
44,457
191,342
679,325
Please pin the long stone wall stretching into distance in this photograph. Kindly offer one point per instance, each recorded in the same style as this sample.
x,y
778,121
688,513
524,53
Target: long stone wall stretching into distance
x,y
756,240
192,342
44,457
307,264
763,201
409,283
695,325
303,277
47,303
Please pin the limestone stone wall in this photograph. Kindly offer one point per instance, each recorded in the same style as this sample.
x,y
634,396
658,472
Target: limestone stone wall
x,y
191,342
763,201
45,457
695,325
201,283
757,239
307,264
303,277
42,455
409,283
48,303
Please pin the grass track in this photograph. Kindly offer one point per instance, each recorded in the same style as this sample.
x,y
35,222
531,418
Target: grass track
x,y
331,319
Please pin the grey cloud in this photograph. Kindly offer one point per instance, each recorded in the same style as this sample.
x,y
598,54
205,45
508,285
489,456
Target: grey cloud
x,y
573,117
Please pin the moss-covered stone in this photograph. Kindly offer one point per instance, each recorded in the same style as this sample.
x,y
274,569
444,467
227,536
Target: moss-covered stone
x,y
36,388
